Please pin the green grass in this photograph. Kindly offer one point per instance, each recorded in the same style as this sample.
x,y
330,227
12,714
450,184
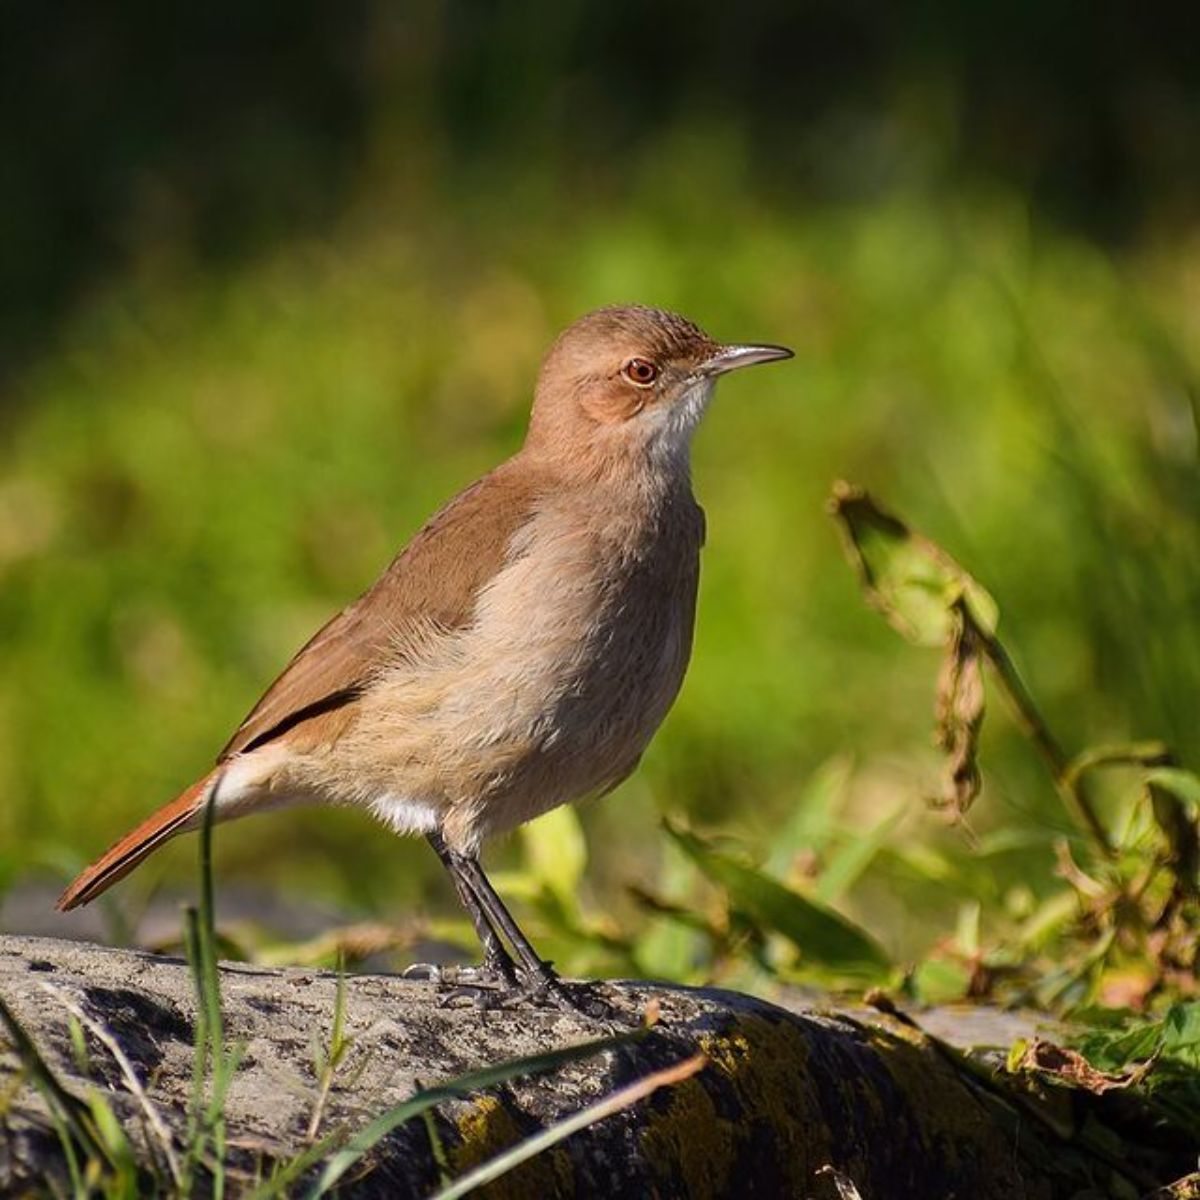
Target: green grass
x,y
210,461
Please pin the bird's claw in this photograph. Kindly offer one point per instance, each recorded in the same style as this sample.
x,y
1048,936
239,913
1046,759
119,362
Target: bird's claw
x,y
483,999
424,973
489,987
471,975
578,999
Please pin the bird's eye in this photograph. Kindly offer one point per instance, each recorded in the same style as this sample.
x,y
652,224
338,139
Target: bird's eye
x,y
639,371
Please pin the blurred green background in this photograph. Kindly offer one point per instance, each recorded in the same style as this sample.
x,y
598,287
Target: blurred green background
x,y
276,280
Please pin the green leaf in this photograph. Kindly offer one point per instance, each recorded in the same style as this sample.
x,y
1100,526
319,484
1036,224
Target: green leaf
x,y
556,852
1049,919
1181,1032
847,865
966,927
672,942
820,934
1119,754
1005,841
1184,785
940,981
811,823
914,583
1114,1051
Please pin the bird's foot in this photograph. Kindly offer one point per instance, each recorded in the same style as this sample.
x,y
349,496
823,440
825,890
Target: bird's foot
x,y
484,986
486,975
578,999
483,999
489,986
543,988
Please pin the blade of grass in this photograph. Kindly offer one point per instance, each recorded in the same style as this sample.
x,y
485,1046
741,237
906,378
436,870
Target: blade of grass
x,y
531,1146
153,1119
209,983
207,1120
196,1137
70,1112
83,1065
812,820
437,1148
332,1058
845,867
124,1183
67,1142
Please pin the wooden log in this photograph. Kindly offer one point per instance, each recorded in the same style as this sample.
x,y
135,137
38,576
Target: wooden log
x,y
792,1103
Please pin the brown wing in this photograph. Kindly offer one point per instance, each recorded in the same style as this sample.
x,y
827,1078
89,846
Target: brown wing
x,y
432,582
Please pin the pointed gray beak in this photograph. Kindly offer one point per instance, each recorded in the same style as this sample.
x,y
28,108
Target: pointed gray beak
x,y
730,358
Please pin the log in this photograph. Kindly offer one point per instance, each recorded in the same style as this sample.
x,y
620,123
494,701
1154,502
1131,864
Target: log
x,y
807,1103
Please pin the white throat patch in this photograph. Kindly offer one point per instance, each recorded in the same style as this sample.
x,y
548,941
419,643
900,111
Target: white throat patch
x,y
674,426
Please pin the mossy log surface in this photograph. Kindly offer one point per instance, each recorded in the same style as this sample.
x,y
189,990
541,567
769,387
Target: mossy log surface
x,y
792,1103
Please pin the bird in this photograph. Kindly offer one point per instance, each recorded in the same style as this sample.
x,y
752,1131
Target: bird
x,y
520,651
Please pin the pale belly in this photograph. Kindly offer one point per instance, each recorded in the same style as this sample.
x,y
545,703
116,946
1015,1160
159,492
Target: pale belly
x,y
551,695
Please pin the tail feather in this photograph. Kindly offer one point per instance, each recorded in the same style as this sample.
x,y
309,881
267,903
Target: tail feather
x,y
118,861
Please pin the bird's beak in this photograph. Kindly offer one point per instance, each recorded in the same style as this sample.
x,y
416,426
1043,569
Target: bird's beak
x,y
730,358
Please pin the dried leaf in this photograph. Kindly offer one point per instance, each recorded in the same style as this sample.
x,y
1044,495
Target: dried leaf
x,y
912,581
1186,1188
922,592
1070,1067
959,713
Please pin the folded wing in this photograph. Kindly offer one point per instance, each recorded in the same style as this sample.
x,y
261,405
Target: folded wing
x,y
432,583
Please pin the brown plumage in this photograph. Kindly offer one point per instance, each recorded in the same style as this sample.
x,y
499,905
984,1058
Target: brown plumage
x,y
128,853
523,648
432,582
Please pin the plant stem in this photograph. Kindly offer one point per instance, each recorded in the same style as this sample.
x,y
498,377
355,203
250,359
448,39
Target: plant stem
x,y
1071,789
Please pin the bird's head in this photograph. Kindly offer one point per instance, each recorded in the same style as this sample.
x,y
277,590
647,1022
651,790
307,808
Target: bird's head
x,y
631,383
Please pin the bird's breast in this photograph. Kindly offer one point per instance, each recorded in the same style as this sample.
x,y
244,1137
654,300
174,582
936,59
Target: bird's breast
x,y
575,651
587,630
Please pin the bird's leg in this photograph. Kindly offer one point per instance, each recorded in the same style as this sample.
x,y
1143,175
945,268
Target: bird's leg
x,y
501,920
496,959
492,921
541,980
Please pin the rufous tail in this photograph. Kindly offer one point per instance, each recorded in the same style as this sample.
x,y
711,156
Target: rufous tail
x,y
171,819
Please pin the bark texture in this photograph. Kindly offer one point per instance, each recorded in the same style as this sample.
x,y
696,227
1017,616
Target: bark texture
x,y
804,1103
